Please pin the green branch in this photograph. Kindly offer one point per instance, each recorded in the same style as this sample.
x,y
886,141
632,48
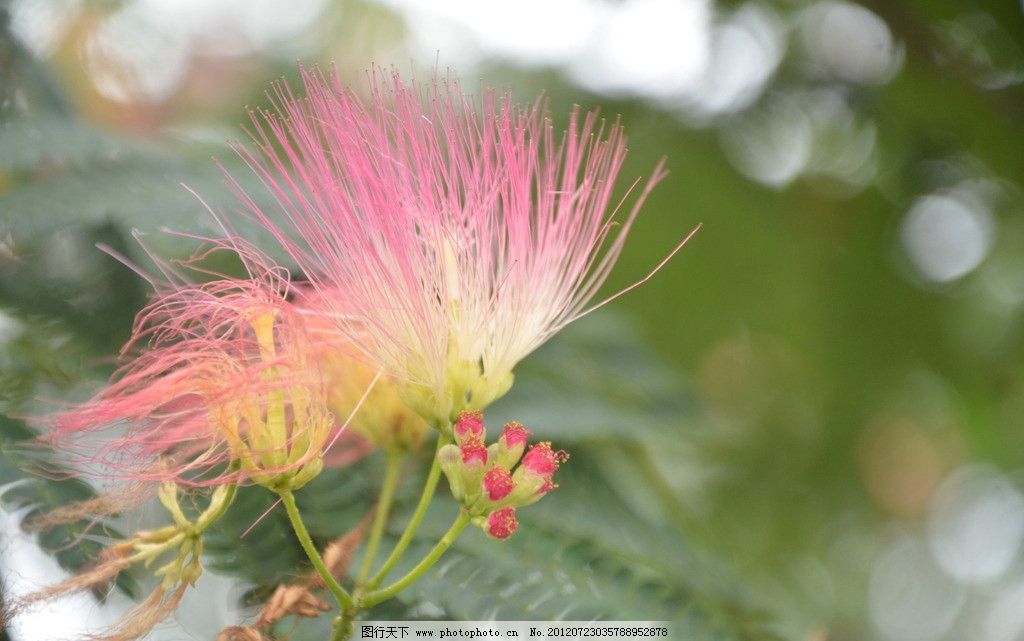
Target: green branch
x,y
343,598
373,598
414,523
380,519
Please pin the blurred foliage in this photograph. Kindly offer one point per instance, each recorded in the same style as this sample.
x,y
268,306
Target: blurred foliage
x,y
32,486
750,424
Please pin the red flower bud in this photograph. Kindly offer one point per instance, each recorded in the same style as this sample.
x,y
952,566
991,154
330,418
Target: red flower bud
x,y
473,451
498,483
509,448
542,461
502,523
469,424
514,435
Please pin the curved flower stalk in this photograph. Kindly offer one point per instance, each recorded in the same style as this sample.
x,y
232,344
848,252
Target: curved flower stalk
x,y
221,390
464,233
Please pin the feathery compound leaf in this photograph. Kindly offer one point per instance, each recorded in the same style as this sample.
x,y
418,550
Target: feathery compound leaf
x,y
579,554
52,141
60,174
140,192
594,379
262,551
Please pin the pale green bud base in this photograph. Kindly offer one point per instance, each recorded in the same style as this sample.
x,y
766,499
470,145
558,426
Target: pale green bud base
x,y
185,537
467,389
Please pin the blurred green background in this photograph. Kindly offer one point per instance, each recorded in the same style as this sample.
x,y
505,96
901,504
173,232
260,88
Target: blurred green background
x,y
807,425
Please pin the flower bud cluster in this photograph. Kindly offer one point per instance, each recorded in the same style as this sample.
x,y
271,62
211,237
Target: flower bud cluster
x,y
181,542
486,478
184,538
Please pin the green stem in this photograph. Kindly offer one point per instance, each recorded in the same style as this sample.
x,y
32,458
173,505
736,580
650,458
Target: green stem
x,y
373,598
218,506
414,523
343,598
342,628
387,493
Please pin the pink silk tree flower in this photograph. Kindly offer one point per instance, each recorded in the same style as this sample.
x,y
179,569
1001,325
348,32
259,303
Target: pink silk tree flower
x,y
217,388
464,232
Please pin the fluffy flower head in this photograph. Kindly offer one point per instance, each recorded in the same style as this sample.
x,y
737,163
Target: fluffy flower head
x,y
464,232
217,387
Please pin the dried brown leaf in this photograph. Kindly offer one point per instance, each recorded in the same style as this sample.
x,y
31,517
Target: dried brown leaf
x,y
240,633
294,599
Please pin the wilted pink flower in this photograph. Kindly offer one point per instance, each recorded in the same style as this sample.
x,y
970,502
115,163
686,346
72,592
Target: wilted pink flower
x,y
463,232
216,374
